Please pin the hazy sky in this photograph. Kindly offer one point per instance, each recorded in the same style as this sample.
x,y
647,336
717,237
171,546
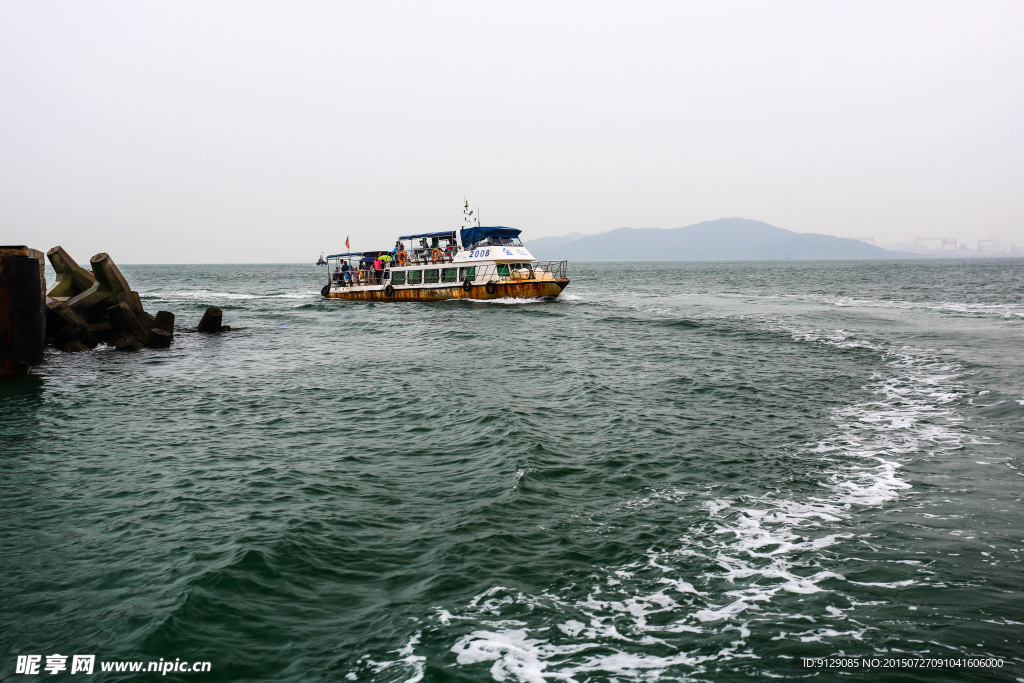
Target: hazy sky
x,y
268,131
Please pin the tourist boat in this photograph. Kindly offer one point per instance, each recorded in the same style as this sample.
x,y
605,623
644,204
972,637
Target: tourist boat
x,y
473,262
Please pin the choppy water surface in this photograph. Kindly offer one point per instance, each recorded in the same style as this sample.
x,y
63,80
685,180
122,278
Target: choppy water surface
x,y
675,472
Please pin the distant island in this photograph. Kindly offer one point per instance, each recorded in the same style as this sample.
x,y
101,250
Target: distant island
x,y
725,239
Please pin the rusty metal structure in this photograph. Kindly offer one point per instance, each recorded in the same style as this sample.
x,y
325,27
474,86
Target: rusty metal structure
x,y
22,309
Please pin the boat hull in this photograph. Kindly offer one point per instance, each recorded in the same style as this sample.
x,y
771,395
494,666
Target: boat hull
x,y
529,289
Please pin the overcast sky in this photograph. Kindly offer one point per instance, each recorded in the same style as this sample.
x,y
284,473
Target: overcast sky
x,y
269,131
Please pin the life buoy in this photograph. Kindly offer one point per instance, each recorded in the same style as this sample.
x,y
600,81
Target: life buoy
x,y
325,290
436,256
403,258
389,291
491,287
467,285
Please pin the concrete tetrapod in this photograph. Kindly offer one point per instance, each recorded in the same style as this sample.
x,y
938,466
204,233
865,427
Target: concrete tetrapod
x,y
85,308
211,322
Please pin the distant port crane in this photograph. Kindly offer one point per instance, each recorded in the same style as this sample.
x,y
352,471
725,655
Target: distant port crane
x,y
991,244
935,243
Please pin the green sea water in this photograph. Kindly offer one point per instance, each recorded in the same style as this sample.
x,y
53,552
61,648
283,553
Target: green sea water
x,y
675,471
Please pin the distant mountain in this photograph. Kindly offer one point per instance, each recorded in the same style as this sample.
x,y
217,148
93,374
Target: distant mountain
x,y
726,239
546,244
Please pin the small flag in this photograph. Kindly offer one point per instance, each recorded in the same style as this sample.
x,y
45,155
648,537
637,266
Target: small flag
x,y
346,242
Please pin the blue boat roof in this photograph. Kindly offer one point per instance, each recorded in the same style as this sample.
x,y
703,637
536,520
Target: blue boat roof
x,y
357,253
471,236
446,233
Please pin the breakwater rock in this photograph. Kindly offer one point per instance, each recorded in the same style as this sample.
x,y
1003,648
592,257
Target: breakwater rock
x,y
89,307
211,322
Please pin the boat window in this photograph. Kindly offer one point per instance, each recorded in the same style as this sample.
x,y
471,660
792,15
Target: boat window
x,y
430,276
398,277
449,274
495,241
467,273
415,276
502,270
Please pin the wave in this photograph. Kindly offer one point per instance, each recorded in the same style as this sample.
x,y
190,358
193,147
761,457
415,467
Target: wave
x,y
999,310
741,560
512,301
203,294
1008,310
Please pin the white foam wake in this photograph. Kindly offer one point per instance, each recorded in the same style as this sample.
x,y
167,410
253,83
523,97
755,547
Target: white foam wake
x,y
1008,310
208,295
738,563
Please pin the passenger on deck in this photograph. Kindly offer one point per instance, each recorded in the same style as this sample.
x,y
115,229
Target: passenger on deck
x,y
378,270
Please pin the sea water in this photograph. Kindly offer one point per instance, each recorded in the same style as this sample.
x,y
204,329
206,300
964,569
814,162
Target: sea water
x,y
675,471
